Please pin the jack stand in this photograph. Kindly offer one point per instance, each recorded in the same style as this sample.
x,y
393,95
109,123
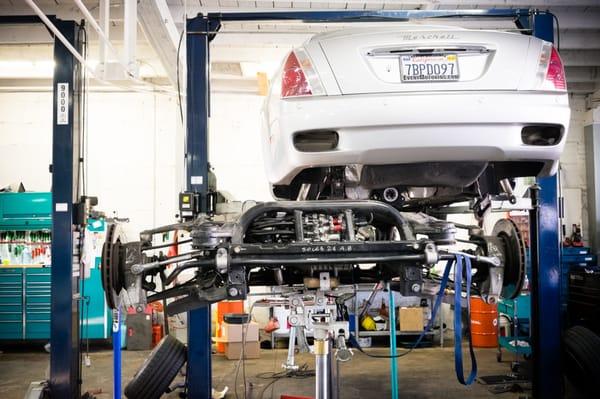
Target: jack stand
x,y
322,372
322,318
290,363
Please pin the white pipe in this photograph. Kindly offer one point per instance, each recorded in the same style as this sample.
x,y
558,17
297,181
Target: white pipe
x,y
82,60
105,25
129,35
59,35
90,18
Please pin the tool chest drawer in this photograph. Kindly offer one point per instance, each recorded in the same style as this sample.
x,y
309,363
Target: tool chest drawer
x,y
11,303
25,296
38,286
11,290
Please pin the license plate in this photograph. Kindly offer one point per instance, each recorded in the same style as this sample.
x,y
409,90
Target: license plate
x,y
429,68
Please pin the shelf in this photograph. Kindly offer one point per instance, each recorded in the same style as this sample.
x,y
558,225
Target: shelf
x,y
26,242
387,333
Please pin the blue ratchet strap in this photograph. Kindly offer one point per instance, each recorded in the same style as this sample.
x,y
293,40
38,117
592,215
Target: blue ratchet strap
x,y
458,362
438,302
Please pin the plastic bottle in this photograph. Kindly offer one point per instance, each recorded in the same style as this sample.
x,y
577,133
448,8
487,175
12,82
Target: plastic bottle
x,y
26,255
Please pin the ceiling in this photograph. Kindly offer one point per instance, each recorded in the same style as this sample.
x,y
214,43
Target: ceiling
x,y
242,49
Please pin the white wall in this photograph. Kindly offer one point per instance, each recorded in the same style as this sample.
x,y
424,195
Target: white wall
x,y
573,170
26,139
235,149
131,158
134,150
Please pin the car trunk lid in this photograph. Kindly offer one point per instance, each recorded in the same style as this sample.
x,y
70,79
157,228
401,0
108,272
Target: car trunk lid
x,y
401,60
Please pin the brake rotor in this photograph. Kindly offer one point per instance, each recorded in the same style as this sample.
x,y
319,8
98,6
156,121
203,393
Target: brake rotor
x,y
110,267
514,257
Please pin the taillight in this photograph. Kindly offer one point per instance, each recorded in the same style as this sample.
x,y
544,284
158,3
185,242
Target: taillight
x,y
556,72
551,73
298,77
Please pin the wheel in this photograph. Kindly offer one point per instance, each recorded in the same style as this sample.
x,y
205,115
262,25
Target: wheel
x,y
158,370
581,352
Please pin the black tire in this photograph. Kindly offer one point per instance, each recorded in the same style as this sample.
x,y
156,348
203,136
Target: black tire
x,y
158,370
581,355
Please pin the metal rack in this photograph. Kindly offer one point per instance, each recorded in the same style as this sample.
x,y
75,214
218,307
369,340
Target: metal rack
x,y
384,333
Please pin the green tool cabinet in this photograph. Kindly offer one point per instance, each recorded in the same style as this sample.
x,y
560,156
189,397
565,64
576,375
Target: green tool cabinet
x,y
25,303
26,287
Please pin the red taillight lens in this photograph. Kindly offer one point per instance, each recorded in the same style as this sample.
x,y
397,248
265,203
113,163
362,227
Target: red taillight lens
x,y
556,72
293,79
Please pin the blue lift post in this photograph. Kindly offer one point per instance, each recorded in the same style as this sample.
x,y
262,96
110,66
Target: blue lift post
x,y
199,373
64,336
199,32
117,335
546,330
393,346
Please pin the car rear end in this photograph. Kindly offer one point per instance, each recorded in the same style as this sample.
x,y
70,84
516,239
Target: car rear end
x,y
393,96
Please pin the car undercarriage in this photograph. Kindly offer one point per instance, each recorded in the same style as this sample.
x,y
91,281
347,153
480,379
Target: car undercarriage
x,y
292,243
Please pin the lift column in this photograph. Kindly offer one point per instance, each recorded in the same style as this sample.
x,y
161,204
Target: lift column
x,y
64,336
545,292
199,373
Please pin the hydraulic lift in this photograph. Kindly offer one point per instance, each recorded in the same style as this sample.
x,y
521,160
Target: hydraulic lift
x,y
546,331
65,361
65,375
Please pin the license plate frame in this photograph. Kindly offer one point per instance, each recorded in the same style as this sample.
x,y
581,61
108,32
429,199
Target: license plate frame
x,y
427,68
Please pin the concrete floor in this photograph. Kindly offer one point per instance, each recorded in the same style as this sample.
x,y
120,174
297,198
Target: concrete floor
x,y
425,373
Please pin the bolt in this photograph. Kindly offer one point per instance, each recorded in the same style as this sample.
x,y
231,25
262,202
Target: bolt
x,y
415,245
237,249
233,291
416,287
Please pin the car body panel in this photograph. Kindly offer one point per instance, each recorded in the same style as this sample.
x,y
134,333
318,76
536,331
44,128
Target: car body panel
x,y
381,122
369,62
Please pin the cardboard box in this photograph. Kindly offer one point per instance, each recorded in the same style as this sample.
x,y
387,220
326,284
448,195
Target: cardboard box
x,y
234,349
233,332
411,319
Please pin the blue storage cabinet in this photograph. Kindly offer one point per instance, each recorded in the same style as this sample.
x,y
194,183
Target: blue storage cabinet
x,y
24,303
25,211
25,290
37,302
573,258
11,303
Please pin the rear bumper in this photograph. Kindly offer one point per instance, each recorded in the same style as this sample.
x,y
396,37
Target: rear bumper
x,y
417,127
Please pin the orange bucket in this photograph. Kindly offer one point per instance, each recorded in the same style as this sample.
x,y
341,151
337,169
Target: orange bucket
x,y
223,308
484,324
